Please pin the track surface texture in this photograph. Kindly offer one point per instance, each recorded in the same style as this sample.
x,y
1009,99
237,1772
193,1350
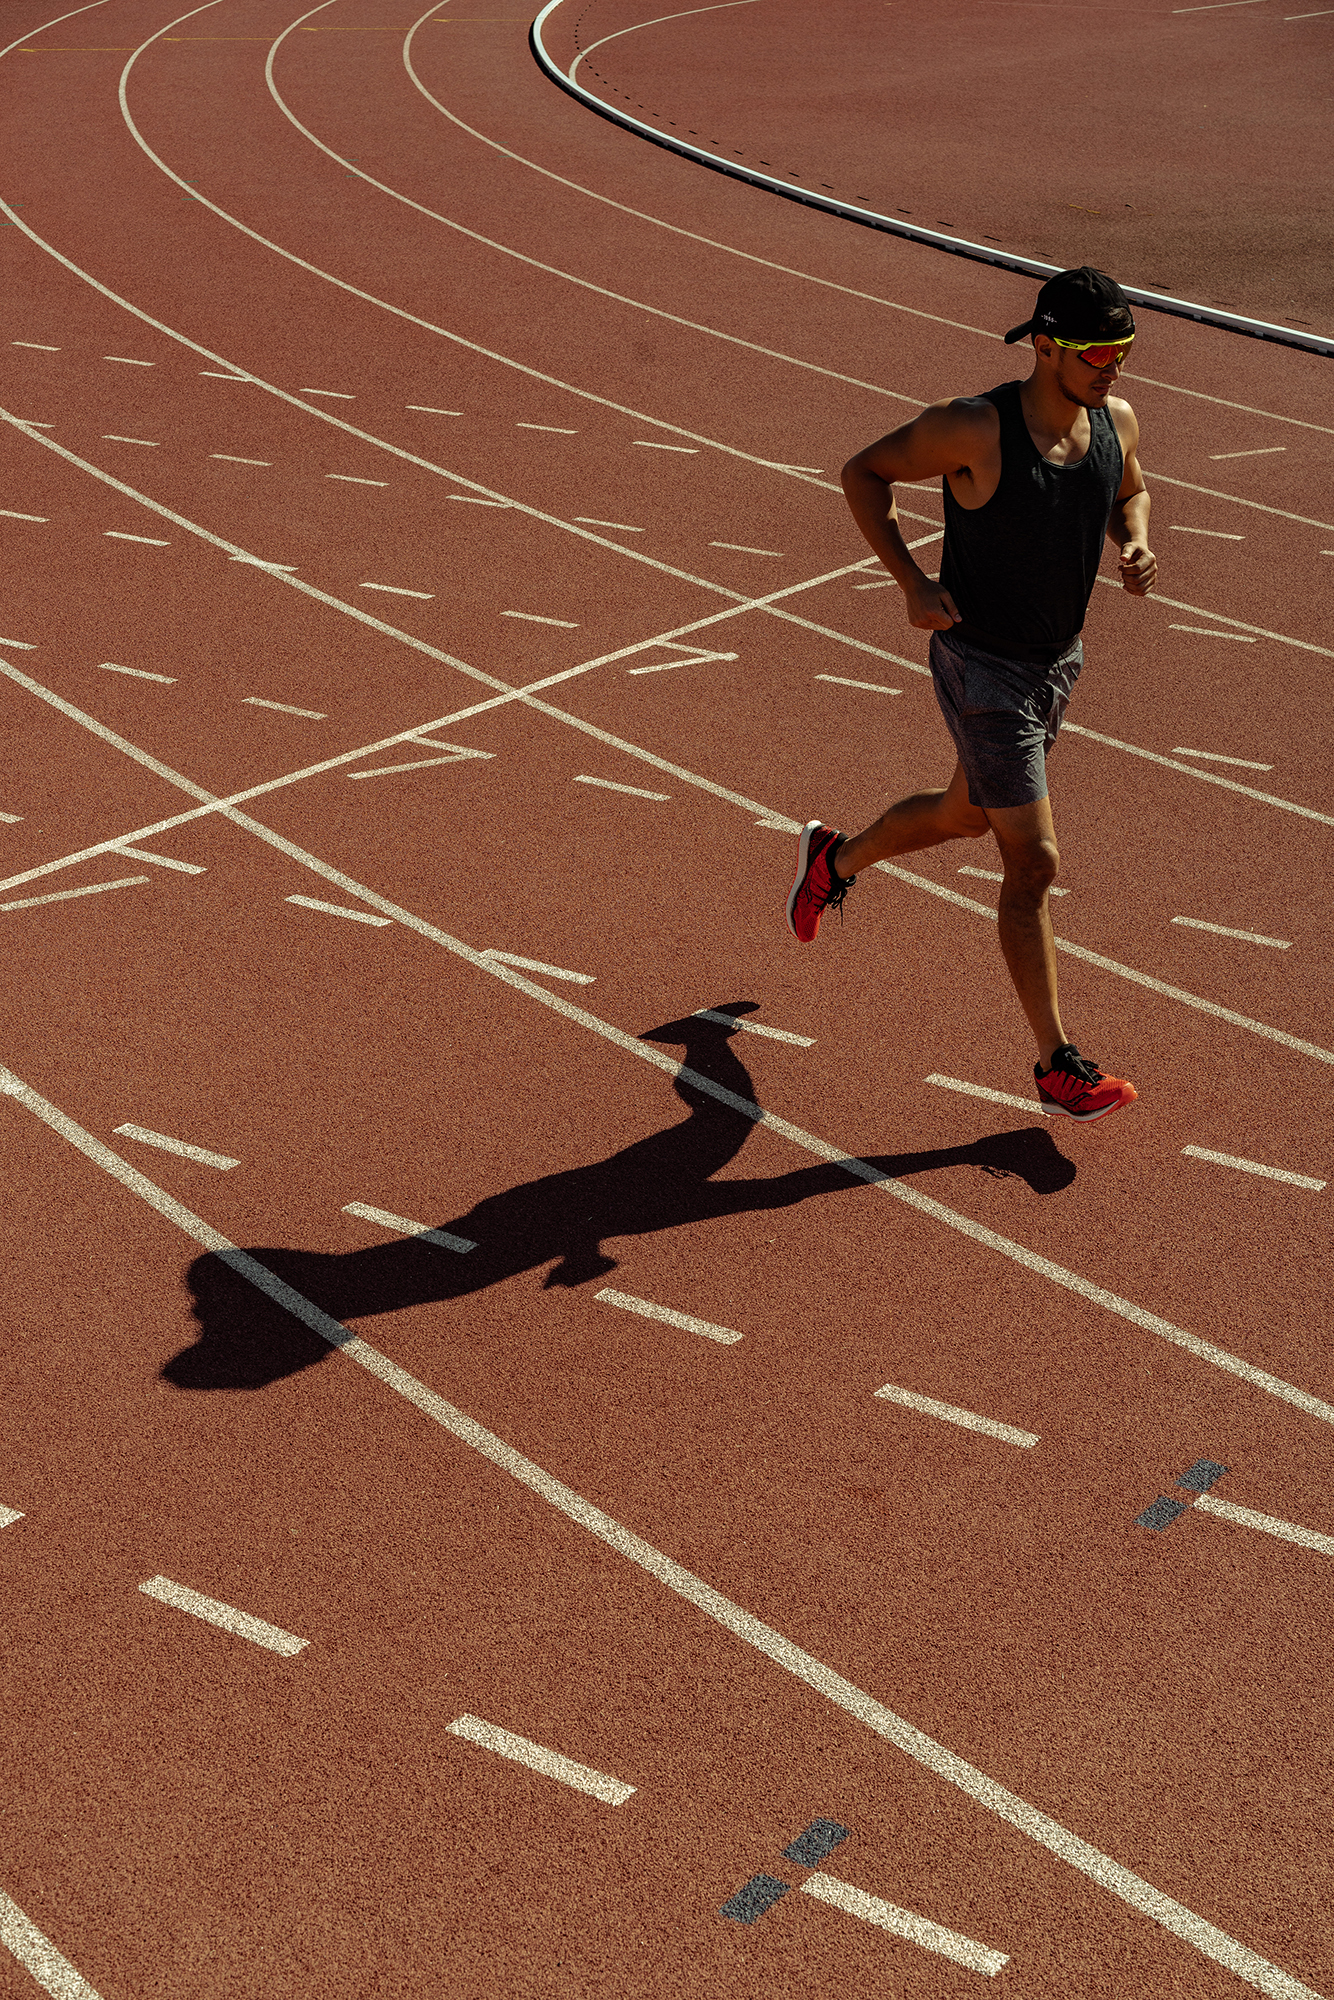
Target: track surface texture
x,y
405,751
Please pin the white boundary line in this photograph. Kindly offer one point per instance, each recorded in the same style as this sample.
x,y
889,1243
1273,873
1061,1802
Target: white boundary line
x,y
1253,1167
19,1934
225,1616
950,1413
854,1902
726,1335
537,1757
1269,1524
1069,1847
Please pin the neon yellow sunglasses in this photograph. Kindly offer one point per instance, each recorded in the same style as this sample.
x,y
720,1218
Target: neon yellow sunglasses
x,y
1098,353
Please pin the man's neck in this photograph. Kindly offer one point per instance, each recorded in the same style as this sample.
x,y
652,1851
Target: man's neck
x,y
1049,411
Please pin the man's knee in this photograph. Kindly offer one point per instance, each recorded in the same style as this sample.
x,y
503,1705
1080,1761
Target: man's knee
x,y
1031,867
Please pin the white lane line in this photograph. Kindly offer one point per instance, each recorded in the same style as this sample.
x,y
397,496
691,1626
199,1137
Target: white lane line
x,y
475,500
136,673
536,965
693,656
1221,930
1253,1167
19,1934
650,444
1058,1840
68,895
232,459
12,514
271,568
399,590
1217,757
1319,13
340,395
224,375
40,345
558,429
878,583
351,479
551,1764
402,1226
333,910
11,819
1216,6
610,785
200,1154
590,521
119,535
952,1414
419,764
536,618
111,437
427,411
1269,1524
687,1322
8,1516
854,1902
127,361
995,875
1029,1104
1172,603
258,701
19,645
163,860
1265,449
226,1616
742,550
1208,632
1206,777
754,1027
869,687
1217,533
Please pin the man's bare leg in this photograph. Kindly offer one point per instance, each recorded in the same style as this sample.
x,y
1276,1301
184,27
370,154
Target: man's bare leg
x,y
924,820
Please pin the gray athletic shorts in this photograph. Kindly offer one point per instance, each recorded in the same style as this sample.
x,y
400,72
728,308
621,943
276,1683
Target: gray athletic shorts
x,y
1004,716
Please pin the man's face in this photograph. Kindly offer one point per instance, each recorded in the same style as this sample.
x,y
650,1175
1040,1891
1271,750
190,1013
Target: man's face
x,y
1080,381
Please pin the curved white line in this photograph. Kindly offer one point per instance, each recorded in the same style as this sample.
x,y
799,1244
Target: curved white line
x,y
657,22
933,239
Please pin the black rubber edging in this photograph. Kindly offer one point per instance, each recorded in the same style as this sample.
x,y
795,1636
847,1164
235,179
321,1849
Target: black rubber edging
x,y
888,225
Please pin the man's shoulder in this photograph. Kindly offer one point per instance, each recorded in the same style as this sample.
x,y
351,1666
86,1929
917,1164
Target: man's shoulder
x,y
1121,414
967,416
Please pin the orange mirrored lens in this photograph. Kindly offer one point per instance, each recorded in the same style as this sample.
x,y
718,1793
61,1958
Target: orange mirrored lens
x,y
1102,357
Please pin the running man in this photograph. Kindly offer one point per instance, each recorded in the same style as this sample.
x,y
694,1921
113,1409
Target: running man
x,y
1034,474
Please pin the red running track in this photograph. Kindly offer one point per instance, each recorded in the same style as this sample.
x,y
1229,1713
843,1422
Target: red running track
x,y
437,531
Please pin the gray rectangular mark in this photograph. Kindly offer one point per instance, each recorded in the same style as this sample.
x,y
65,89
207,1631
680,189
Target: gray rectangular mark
x,y
753,1898
820,1838
1161,1515
1205,1472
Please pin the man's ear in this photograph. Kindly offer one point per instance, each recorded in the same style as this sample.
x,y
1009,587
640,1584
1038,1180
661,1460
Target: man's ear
x,y
1044,347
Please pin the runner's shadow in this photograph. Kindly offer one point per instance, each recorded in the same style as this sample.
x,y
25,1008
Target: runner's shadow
x,y
560,1220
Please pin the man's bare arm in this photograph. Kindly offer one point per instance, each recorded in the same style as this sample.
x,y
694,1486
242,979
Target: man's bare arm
x,y
1128,528
946,437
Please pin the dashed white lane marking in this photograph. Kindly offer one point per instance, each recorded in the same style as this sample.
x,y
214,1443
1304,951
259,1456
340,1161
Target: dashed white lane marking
x,y
537,965
1318,15
878,583
687,1322
19,1934
20,645
200,1154
119,535
224,375
1221,930
283,708
111,437
693,656
68,895
136,673
226,1616
128,361
402,1226
455,754
1207,632
992,1096
1253,1167
537,1757
742,550
952,1414
995,875
400,590
340,395
558,429
11,514
1269,1524
588,521
869,687
649,444
1217,757
337,910
351,479
1264,450
754,1027
1108,1874
610,785
8,1515
11,819
854,1902
427,411
273,568
232,459
1205,777
163,860
536,618
40,345
1217,533
475,500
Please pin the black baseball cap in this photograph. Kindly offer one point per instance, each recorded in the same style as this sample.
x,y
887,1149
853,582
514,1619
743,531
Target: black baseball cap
x,y
1079,305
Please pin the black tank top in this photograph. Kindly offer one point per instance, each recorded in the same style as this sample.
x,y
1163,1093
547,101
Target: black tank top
x,y
1021,569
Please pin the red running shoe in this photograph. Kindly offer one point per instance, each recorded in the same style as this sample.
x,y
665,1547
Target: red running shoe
x,y
1074,1087
817,888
